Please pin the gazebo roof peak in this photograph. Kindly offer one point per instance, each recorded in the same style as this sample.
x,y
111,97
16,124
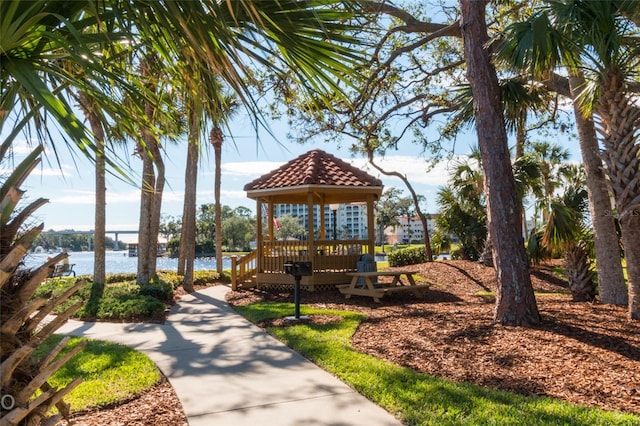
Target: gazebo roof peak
x,y
315,167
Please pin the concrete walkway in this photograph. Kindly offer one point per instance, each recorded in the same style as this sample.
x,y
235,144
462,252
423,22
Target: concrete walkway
x,y
226,371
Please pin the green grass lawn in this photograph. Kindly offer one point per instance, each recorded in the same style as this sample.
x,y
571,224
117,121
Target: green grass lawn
x,y
110,373
416,398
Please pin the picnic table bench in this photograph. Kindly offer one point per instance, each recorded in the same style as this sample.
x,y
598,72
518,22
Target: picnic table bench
x,y
376,289
62,270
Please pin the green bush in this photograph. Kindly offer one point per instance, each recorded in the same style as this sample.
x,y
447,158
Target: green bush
x,y
205,277
122,301
170,278
160,290
129,307
408,256
120,277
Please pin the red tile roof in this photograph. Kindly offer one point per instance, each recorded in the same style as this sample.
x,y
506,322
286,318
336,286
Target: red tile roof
x,y
315,167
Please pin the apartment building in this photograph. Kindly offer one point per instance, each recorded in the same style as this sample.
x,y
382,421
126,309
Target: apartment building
x,y
349,221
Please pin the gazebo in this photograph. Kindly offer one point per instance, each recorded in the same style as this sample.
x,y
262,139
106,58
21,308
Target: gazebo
x,y
315,178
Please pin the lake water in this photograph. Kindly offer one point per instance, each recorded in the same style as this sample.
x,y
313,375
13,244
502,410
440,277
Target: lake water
x,y
120,262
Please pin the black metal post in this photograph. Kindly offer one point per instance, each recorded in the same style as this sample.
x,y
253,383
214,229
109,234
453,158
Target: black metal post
x,y
296,297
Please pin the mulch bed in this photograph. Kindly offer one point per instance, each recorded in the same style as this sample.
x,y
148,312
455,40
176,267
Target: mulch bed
x,y
158,406
584,353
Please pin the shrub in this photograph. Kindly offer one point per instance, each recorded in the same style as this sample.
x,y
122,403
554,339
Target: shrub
x,y
408,256
206,277
170,278
120,277
160,290
129,307
120,301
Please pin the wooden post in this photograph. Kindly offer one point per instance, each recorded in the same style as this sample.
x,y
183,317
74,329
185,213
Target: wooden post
x,y
370,226
310,238
259,239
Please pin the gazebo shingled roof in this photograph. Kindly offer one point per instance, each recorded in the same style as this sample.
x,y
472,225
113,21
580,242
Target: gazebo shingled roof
x,y
318,172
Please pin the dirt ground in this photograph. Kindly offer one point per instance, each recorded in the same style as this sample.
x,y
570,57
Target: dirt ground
x,y
585,353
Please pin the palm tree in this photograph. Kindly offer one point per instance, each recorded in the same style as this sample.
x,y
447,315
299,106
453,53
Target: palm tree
x,y
612,288
565,229
550,157
200,55
99,274
594,40
186,255
222,38
218,110
153,174
226,108
464,218
547,40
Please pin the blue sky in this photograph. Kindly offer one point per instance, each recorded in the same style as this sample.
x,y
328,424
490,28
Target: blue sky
x,y
70,188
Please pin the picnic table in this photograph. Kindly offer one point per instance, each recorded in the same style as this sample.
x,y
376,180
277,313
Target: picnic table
x,y
373,288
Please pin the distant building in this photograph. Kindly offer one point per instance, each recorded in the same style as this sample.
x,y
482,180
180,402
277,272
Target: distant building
x,y
350,219
409,228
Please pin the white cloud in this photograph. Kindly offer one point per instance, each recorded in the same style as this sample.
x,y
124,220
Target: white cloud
x,y
417,170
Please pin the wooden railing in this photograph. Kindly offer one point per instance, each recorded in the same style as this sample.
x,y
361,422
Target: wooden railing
x,y
326,256
243,269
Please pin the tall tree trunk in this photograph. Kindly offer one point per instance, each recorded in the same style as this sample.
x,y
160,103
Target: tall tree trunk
x,y
630,226
145,230
216,141
146,205
618,126
156,207
188,231
99,247
99,274
611,284
515,301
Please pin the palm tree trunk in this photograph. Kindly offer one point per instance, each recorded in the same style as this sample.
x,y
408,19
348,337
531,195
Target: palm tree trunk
x,y
216,140
188,232
611,284
156,210
515,301
99,275
630,226
99,247
144,226
578,273
618,123
152,189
